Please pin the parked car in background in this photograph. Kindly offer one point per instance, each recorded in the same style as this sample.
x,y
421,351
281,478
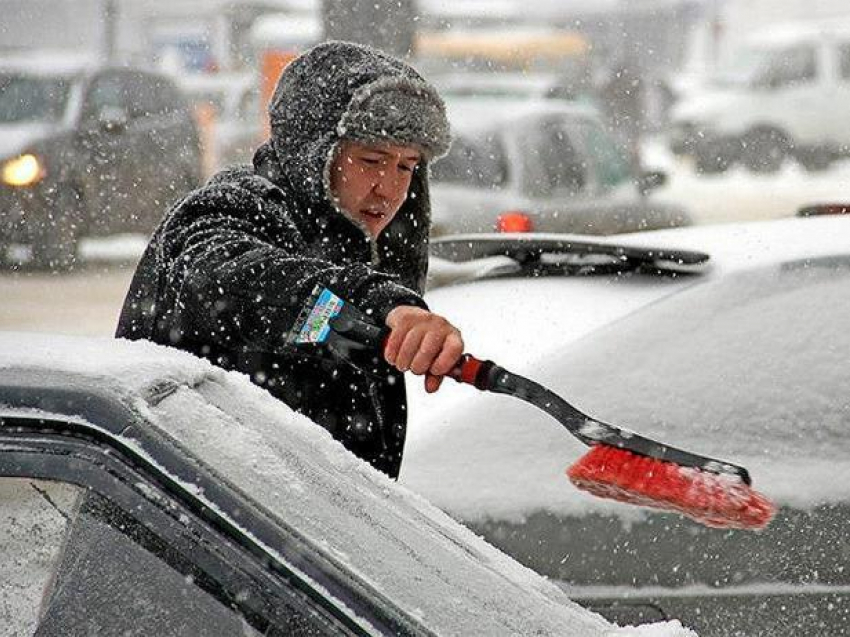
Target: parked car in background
x,y
741,357
783,95
87,150
540,165
236,125
144,491
514,86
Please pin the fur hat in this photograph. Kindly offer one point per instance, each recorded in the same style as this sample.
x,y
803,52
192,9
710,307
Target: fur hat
x,y
398,110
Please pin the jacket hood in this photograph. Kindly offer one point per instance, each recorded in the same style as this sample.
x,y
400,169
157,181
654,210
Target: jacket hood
x,y
339,90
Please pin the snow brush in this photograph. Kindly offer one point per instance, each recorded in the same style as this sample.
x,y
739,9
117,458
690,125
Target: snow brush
x,y
621,465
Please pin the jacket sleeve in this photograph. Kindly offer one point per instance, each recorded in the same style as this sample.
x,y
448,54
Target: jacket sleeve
x,y
238,275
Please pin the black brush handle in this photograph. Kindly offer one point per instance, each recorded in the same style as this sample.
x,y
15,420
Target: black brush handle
x,y
488,376
355,331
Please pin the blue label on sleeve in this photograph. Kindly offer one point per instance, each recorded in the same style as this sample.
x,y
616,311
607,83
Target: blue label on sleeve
x,y
317,326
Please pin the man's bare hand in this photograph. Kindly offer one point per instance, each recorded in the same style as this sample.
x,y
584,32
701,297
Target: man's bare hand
x,y
422,342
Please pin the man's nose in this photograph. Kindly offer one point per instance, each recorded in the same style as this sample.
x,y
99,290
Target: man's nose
x,y
388,184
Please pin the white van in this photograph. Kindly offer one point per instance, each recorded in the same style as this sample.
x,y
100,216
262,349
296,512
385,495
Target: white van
x,y
784,93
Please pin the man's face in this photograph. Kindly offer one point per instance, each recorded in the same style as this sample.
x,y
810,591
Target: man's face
x,y
370,181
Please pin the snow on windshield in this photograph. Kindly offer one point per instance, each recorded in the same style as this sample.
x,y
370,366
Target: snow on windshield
x,y
749,370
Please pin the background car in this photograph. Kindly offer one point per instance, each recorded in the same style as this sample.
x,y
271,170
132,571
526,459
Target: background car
x,y
780,96
539,165
513,86
744,361
88,150
237,125
147,492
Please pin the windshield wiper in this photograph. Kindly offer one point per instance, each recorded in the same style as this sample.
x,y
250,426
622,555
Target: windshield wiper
x,y
472,257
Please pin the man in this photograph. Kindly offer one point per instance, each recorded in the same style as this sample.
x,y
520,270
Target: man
x,y
338,196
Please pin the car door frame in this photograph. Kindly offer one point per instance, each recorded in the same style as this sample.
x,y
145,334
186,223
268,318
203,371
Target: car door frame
x,y
110,452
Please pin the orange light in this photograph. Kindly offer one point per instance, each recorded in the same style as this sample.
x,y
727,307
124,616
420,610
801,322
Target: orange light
x,y
514,221
24,170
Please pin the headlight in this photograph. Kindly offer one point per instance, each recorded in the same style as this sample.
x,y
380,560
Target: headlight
x,y
23,171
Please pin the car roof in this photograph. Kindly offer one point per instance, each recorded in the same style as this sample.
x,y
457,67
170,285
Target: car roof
x,y
789,34
224,83
518,85
471,114
390,540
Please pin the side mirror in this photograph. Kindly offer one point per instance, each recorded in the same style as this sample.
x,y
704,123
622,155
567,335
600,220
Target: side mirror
x,y
650,180
112,119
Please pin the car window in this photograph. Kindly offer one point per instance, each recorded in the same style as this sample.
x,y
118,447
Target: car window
x,y
788,67
556,165
844,61
149,96
34,518
24,99
106,91
109,561
610,166
249,105
478,162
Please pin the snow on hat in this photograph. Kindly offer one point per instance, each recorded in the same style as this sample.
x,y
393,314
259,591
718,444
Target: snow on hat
x,y
398,110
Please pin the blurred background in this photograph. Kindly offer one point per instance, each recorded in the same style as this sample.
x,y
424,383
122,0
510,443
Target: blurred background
x,y
598,117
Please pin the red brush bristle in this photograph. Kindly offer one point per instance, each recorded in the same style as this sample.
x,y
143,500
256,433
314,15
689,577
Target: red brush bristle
x,y
720,501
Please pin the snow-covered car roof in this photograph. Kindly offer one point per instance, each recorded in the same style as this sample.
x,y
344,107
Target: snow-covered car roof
x,y
394,543
802,32
498,85
469,114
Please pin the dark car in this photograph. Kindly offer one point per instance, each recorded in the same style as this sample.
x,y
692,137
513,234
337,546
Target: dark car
x,y
88,150
543,166
144,492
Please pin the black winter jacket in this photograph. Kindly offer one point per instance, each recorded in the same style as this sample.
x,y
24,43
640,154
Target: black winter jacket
x,y
231,266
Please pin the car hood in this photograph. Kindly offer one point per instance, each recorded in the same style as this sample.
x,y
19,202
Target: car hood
x,y
388,539
16,138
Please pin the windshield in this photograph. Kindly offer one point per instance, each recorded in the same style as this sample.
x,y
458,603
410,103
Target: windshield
x,y
473,161
754,365
743,67
768,66
611,166
32,99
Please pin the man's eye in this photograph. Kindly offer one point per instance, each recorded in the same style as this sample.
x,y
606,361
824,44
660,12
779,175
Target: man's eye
x,y
372,161
408,169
